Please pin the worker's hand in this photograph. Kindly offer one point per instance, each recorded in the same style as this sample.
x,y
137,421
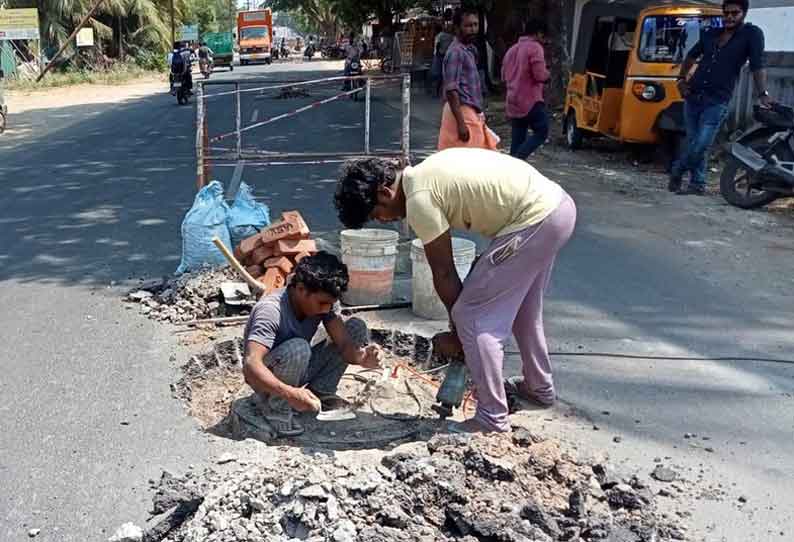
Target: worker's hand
x,y
766,101
371,356
448,345
463,132
303,400
683,87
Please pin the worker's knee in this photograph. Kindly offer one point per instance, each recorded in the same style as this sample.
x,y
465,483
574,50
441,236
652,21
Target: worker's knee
x,y
462,318
358,331
294,352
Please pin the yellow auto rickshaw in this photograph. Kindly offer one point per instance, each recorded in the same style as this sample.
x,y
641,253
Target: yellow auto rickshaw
x,y
626,57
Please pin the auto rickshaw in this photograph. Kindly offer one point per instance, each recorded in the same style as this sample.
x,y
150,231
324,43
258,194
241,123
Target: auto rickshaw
x,y
627,56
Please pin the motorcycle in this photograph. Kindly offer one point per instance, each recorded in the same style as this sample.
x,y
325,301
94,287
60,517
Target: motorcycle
x,y
180,87
206,66
354,69
760,168
309,52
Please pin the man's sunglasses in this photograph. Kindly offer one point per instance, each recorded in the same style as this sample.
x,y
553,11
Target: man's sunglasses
x,y
731,12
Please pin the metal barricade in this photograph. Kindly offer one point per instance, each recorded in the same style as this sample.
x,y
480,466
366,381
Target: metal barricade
x,y
210,151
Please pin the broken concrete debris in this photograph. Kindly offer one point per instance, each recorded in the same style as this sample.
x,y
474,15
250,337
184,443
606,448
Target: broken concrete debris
x,y
128,532
454,487
186,297
663,474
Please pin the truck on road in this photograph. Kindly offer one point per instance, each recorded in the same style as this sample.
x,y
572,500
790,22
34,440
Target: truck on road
x,y
222,45
255,35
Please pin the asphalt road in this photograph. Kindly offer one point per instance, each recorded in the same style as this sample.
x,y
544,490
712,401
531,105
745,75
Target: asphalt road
x,y
93,201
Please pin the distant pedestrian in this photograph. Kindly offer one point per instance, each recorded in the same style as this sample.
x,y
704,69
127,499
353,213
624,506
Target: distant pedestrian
x,y
443,40
524,71
462,119
720,55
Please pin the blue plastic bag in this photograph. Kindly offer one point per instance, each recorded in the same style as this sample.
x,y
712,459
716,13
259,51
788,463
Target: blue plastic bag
x,y
246,217
205,219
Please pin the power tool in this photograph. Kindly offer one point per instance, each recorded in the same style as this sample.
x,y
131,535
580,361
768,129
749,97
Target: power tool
x,y
450,394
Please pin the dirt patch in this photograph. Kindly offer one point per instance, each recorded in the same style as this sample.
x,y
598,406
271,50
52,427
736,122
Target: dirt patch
x,y
391,406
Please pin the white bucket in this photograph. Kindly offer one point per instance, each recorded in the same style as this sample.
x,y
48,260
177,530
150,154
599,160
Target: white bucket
x,y
370,256
426,302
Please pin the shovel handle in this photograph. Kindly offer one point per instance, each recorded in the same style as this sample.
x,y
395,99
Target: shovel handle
x,y
252,282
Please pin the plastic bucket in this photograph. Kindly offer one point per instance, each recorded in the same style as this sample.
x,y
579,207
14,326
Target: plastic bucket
x,y
370,256
426,302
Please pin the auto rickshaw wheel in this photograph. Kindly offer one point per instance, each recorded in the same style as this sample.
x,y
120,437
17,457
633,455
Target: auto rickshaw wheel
x,y
573,135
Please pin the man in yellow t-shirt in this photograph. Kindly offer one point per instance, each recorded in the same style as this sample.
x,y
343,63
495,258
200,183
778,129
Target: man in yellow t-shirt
x,y
529,219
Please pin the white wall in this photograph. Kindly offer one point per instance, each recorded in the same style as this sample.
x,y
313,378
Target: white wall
x,y
776,24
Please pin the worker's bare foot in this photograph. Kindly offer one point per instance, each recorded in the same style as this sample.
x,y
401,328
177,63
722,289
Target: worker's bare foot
x,y
469,426
516,390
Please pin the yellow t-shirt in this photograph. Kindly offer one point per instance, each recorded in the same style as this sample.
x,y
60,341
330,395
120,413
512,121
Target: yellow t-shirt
x,y
479,190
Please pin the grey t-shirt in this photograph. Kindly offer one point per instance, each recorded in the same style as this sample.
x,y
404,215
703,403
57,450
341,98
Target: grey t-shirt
x,y
273,321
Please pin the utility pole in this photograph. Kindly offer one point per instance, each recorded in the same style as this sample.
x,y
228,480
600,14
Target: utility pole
x,y
173,30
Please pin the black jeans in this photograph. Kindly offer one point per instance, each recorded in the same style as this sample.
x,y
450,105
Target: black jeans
x,y
522,144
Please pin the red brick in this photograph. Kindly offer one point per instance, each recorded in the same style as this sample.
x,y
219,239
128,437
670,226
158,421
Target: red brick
x,y
297,218
249,244
261,254
281,262
255,270
291,226
295,246
238,253
273,279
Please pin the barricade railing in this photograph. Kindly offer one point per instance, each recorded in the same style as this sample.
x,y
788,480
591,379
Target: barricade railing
x,y
210,153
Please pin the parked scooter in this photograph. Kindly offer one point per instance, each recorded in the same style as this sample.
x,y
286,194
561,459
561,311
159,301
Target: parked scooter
x,y
354,68
761,164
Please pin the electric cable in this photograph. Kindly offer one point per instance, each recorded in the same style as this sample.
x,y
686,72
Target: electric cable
x,y
668,358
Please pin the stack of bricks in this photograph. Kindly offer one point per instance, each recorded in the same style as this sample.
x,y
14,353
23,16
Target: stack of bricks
x,y
270,255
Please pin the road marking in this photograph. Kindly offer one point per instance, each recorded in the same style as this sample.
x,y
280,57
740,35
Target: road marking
x,y
254,115
234,185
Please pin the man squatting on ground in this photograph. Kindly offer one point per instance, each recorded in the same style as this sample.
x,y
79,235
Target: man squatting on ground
x,y
529,219
280,365
720,53
462,118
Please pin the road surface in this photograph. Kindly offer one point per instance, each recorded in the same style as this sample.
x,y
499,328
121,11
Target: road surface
x,y
93,200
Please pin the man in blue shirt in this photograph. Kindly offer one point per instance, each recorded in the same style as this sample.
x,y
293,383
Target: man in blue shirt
x,y
720,54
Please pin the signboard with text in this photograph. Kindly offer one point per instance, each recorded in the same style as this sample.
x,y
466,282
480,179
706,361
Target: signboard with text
x,y
188,32
85,37
19,24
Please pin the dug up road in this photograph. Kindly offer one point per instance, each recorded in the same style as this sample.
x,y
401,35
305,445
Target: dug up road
x,y
94,190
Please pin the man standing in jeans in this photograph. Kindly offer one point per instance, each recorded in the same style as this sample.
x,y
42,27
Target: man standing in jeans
x,y
524,71
721,53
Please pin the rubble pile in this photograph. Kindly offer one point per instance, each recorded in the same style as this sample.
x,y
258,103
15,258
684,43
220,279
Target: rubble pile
x,y
270,255
186,297
507,488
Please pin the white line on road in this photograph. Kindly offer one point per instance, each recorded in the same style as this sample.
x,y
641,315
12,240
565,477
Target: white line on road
x,y
254,115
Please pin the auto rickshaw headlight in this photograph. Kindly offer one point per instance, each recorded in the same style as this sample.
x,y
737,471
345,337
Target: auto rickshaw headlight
x,y
648,92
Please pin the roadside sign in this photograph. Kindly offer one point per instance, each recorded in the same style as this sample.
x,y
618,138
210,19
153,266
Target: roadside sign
x,y
19,24
85,37
188,32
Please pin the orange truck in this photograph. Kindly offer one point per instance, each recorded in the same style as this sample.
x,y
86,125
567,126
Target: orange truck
x,y
255,35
